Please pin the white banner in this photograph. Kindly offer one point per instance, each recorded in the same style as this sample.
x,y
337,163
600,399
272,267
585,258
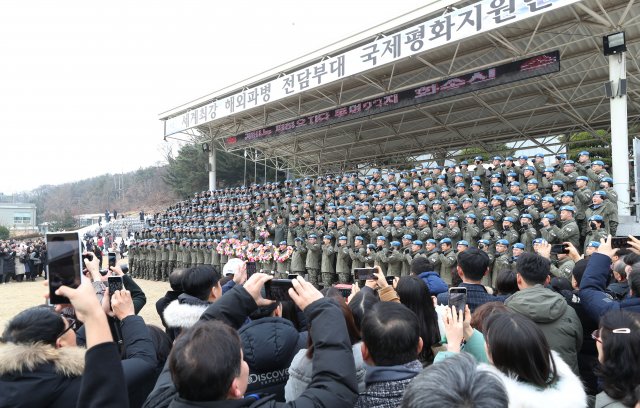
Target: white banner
x,y
454,26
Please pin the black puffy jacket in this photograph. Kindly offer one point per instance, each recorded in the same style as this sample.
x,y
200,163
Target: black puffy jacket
x,y
35,375
9,264
269,344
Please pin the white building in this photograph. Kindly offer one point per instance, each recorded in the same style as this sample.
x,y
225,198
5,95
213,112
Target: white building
x,y
18,217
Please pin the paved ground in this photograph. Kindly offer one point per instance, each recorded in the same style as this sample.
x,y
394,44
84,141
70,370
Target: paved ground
x,y
15,297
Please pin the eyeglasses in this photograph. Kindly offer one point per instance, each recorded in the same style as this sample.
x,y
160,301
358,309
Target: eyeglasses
x,y
72,324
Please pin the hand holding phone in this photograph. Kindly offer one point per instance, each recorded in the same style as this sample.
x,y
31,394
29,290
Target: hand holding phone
x,y
621,242
278,289
458,298
559,249
115,283
122,304
365,273
64,263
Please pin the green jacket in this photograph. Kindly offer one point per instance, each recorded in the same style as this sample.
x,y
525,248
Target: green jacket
x,y
557,320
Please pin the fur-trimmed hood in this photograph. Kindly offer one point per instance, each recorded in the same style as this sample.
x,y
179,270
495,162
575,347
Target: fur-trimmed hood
x,y
566,392
19,358
184,312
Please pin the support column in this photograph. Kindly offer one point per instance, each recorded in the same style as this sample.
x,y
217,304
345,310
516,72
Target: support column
x,y
212,167
619,132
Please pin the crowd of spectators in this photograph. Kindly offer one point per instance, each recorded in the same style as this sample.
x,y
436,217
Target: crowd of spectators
x,y
22,260
541,330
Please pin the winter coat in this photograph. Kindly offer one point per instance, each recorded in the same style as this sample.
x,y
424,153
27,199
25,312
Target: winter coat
x,y
605,401
183,313
566,392
9,267
593,294
557,320
476,296
269,344
53,375
433,281
385,385
162,304
334,373
103,381
38,375
301,369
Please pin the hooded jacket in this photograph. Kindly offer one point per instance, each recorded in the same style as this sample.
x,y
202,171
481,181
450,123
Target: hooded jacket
x,y
39,375
301,370
184,312
557,320
433,281
269,344
593,289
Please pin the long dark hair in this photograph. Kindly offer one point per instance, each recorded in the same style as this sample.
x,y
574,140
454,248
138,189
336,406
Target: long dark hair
x,y
619,370
518,347
415,295
354,332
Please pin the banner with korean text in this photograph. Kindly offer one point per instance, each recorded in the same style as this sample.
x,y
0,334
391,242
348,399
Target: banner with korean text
x,y
502,74
454,26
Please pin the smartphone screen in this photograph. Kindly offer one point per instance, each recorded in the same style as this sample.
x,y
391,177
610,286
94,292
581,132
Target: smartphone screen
x,y
621,242
390,279
458,298
559,249
365,273
115,283
251,269
64,263
345,289
278,289
112,259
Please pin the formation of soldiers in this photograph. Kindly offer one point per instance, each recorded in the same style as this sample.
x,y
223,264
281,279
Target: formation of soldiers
x,y
328,226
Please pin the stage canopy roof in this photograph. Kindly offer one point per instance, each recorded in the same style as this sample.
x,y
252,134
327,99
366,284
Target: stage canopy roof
x,y
498,86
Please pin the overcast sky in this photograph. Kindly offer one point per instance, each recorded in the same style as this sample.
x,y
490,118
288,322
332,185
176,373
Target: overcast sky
x,y
82,83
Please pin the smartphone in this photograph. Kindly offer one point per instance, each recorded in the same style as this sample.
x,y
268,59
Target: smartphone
x,y
251,269
112,259
278,289
458,297
345,289
621,242
389,280
365,273
115,283
559,249
64,263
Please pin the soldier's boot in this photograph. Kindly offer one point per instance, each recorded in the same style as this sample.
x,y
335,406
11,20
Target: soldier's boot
x,y
344,277
327,279
313,277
